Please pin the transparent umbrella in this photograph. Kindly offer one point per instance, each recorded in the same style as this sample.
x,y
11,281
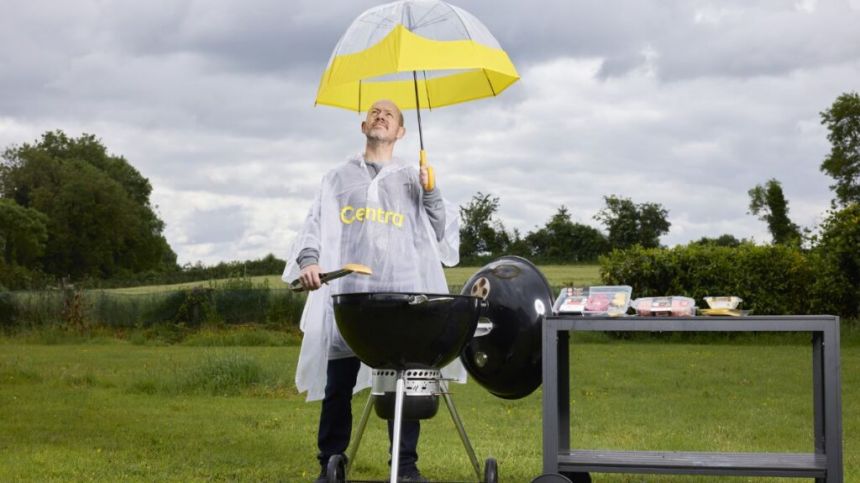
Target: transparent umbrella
x,y
418,53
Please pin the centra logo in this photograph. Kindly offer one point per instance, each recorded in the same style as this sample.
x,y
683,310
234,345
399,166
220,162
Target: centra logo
x,y
349,215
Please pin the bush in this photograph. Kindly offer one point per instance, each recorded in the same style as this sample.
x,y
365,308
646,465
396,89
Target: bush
x,y
16,277
837,258
770,279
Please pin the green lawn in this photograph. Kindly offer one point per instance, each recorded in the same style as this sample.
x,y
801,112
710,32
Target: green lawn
x,y
109,410
558,275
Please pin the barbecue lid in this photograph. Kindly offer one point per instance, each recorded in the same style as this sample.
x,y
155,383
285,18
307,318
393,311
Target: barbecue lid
x,y
507,361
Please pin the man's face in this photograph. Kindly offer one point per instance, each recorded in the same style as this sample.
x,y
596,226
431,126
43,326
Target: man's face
x,y
383,122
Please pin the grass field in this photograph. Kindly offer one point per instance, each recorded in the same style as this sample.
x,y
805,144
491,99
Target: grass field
x,y
108,410
557,275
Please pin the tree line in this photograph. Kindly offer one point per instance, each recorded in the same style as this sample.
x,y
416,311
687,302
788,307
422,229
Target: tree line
x,y
560,240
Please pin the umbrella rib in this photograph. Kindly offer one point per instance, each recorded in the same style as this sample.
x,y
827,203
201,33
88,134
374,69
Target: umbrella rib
x,y
488,82
418,23
377,25
463,24
431,22
427,90
440,18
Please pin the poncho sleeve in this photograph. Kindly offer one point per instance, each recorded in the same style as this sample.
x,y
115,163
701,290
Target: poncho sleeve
x,y
308,237
449,245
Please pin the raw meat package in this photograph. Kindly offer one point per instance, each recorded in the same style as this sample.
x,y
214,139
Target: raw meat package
x,y
725,302
611,300
571,300
674,306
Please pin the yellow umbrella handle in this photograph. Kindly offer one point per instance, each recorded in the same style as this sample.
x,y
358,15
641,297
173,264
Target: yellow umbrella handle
x,y
431,176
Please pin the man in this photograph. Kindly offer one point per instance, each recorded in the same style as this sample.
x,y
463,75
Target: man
x,y
372,210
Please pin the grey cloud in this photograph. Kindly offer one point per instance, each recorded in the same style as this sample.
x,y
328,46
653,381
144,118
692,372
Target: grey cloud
x,y
216,226
686,103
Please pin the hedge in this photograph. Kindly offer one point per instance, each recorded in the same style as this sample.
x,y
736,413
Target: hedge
x,y
771,279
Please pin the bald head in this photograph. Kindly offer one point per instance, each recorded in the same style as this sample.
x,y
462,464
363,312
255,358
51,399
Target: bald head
x,y
390,105
384,122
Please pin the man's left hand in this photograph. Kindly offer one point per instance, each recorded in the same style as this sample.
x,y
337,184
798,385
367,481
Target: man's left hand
x,y
424,176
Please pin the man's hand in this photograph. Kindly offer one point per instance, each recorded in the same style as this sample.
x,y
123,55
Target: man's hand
x,y
424,176
310,277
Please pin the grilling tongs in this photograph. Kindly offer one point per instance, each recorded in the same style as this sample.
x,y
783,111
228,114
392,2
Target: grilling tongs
x,y
296,285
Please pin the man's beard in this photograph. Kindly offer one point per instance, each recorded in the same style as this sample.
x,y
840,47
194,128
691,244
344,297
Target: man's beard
x,y
378,138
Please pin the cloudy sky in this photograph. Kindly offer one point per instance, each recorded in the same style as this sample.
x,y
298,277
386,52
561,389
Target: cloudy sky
x,y
684,103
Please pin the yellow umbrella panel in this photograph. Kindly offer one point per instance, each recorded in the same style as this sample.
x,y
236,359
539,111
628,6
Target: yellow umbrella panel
x,y
459,71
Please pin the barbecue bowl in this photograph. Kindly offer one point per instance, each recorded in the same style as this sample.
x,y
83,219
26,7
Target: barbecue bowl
x,y
397,330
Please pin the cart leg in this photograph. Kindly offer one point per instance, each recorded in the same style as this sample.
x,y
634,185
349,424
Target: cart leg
x,y
398,421
455,416
350,453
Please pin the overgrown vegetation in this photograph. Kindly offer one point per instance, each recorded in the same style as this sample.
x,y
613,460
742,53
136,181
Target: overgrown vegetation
x,y
236,302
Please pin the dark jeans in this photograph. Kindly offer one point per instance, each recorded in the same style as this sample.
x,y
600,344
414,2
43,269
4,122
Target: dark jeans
x,y
336,417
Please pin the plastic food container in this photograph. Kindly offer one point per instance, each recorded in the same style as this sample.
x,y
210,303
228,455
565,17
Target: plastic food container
x,y
570,300
611,300
727,302
674,306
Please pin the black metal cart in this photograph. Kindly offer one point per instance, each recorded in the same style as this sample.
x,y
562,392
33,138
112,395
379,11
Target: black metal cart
x,y
825,464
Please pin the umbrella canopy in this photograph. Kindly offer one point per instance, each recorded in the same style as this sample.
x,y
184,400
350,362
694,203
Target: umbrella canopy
x,y
418,54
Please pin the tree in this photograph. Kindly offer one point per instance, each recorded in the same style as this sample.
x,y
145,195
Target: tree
x,y
23,233
769,204
837,247
562,240
842,120
724,240
631,224
480,233
100,222
519,245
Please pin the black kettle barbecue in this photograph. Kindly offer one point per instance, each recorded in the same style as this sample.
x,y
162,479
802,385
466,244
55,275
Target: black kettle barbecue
x,y
494,326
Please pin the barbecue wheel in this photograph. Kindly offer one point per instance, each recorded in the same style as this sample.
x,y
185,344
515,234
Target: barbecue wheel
x,y
491,471
551,478
336,469
481,288
579,477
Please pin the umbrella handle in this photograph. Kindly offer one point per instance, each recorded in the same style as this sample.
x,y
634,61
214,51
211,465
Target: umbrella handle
x,y
431,176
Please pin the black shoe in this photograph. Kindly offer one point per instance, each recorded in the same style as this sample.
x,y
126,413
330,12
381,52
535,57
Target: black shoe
x,y
410,475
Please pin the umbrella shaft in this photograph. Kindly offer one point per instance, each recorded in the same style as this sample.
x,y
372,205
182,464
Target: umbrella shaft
x,y
418,109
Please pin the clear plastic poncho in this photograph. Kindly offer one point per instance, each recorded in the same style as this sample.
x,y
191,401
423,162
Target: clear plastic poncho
x,y
378,222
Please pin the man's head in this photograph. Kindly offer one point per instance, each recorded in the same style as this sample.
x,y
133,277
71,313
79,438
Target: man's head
x,y
384,123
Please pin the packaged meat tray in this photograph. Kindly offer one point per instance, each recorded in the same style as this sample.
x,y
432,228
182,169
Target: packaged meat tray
x,y
571,300
673,306
611,300
724,302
